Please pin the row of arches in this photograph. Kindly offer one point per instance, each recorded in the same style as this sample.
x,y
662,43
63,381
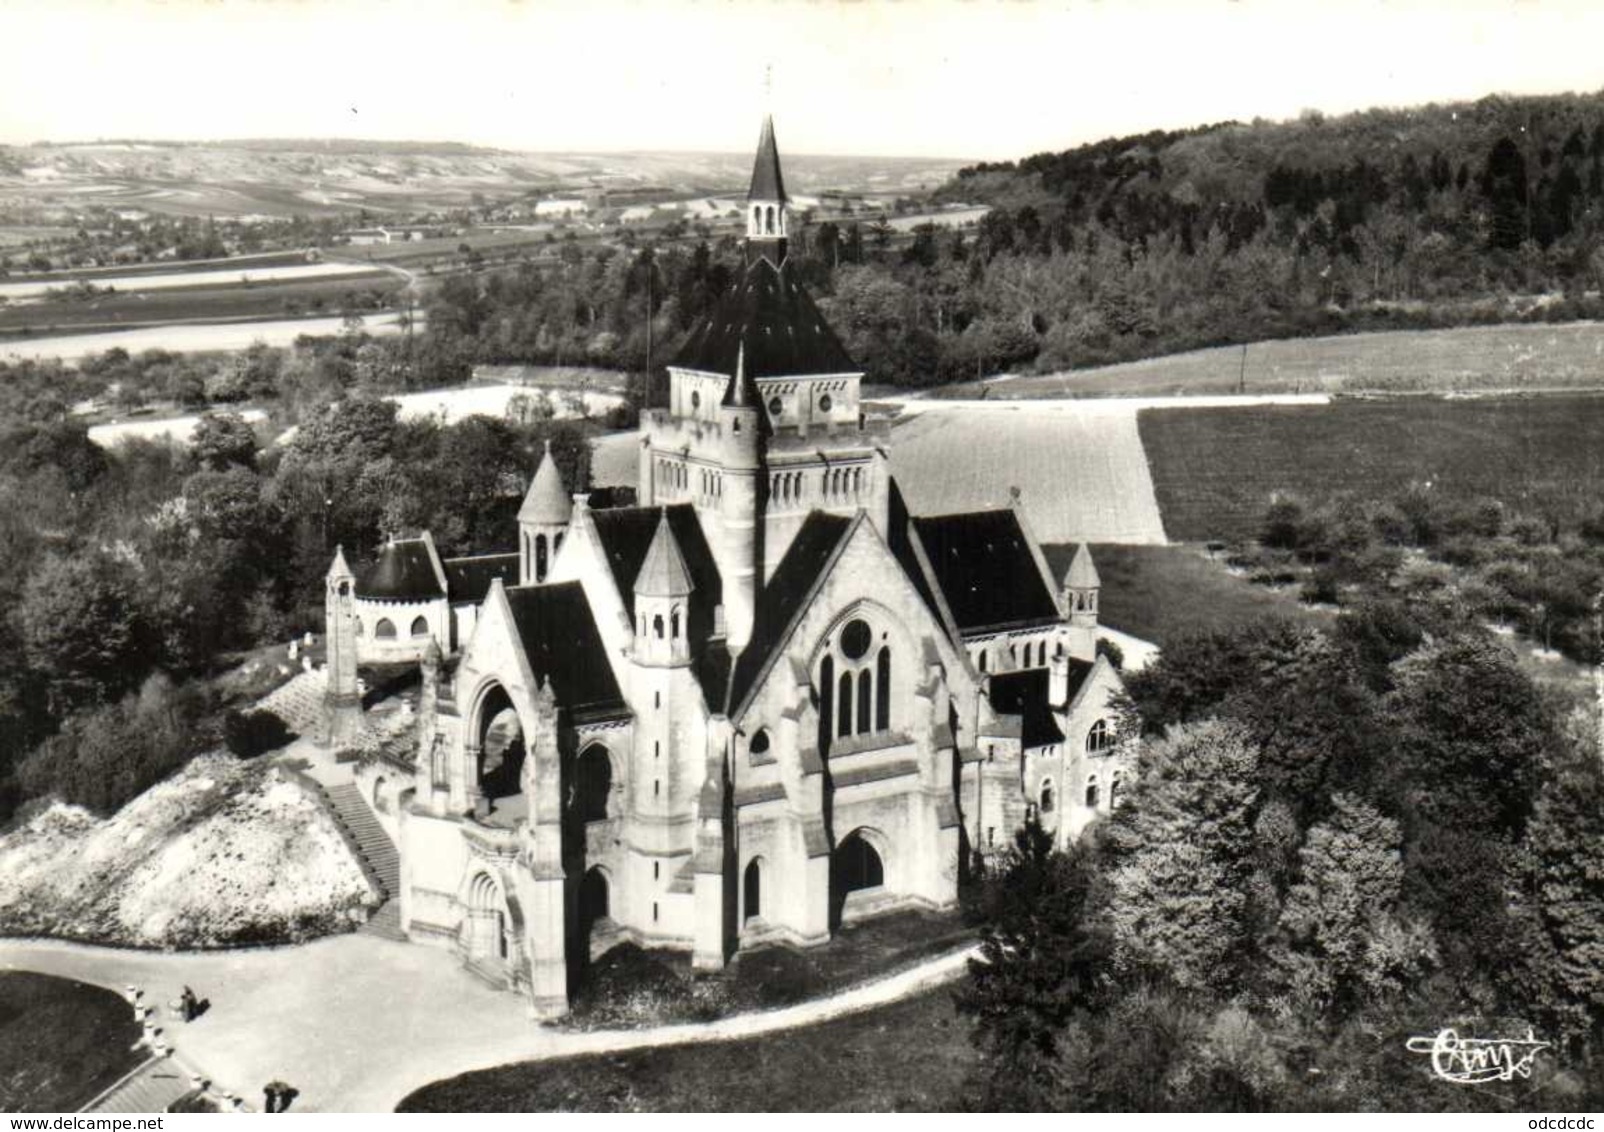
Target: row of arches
x,y
384,629
673,625
672,474
763,220
855,865
1029,654
843,483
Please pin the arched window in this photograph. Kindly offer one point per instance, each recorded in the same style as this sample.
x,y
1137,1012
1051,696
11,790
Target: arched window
x,y
882,706
1100,737
1115,786
385,629
1091,792
865,701
768,220
752,891
826,701
540,558
844,707
1047,796
760,742
673,623
594,783
420,627
757,217
657,626
983,659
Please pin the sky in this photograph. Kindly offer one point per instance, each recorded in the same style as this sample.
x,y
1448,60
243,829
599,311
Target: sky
x,y
966,79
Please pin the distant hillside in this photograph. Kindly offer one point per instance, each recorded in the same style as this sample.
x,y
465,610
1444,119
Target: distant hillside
x,y
1231,232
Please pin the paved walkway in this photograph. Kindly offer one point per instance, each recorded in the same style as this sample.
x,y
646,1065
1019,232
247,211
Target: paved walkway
x,y
356,1023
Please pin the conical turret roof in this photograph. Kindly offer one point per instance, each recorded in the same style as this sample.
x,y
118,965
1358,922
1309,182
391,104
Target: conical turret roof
x,y
767,184
546,501
1082,573
663,574
339,568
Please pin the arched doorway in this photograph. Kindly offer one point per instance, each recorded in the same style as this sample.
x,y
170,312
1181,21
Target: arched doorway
x,y
594,897
501,745
593,784
752,891
855,866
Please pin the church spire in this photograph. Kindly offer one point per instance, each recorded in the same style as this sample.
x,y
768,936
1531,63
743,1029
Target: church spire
x,y
765,201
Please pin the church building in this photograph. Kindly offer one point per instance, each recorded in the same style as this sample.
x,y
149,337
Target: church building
x,y
764,702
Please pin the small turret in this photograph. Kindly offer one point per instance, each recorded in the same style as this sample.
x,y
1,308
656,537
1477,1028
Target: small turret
x,y
542,521
662,602
1081,584
342,699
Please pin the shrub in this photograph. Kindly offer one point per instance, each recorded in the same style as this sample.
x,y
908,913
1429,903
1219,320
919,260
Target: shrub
x,y
251,733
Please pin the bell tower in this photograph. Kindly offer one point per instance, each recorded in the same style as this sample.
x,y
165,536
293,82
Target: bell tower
x,y
542,522
765,202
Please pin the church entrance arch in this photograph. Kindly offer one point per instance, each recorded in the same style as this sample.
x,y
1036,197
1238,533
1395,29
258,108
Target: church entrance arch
x,y
857,865
594,900
498,733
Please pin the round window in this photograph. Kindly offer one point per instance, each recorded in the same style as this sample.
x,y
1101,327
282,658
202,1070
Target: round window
x,y
760,742
776,407
696,399
824,403
856,639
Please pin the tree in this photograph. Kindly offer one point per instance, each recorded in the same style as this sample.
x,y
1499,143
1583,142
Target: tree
x,y
223,439
1185,851
1339,944
80,630
1043,956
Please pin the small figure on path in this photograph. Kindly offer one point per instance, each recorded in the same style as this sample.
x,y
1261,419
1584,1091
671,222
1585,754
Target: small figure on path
x,y
186,1005
279,1096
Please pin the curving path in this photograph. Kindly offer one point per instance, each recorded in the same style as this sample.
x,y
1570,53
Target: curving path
x,y
356,1023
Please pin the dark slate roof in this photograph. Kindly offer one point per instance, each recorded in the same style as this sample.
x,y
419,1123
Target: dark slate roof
x,y
782,329
626,535
562,643
468,579
783,598
767,184
1025,694
403,572
983,565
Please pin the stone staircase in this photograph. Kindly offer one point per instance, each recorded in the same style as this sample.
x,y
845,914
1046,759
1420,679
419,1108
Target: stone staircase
x,y
376,848
299,702
150,1088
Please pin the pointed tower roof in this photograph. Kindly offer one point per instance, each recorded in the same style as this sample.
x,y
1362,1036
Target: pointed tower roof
x,y
767,184
663,574
546,501
339,568
1082,574
737,394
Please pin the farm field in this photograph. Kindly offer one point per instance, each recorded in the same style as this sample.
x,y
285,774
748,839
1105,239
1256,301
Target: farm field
x,y
162,267
1215,470
1511,357
1081,472
189,337
223,300
238,275
61,1043
919,1048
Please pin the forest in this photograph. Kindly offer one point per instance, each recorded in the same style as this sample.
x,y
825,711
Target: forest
x,y
1338,840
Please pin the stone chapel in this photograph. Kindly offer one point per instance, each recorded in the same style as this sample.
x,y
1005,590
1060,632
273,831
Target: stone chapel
x,y
762,703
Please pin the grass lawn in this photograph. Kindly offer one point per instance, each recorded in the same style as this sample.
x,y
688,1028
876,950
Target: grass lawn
x,y
61,1042
1215,470
1161,593
632,987
909,1056
1517,356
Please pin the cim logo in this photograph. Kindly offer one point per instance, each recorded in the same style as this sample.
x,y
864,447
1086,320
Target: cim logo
x,y
1475,1061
